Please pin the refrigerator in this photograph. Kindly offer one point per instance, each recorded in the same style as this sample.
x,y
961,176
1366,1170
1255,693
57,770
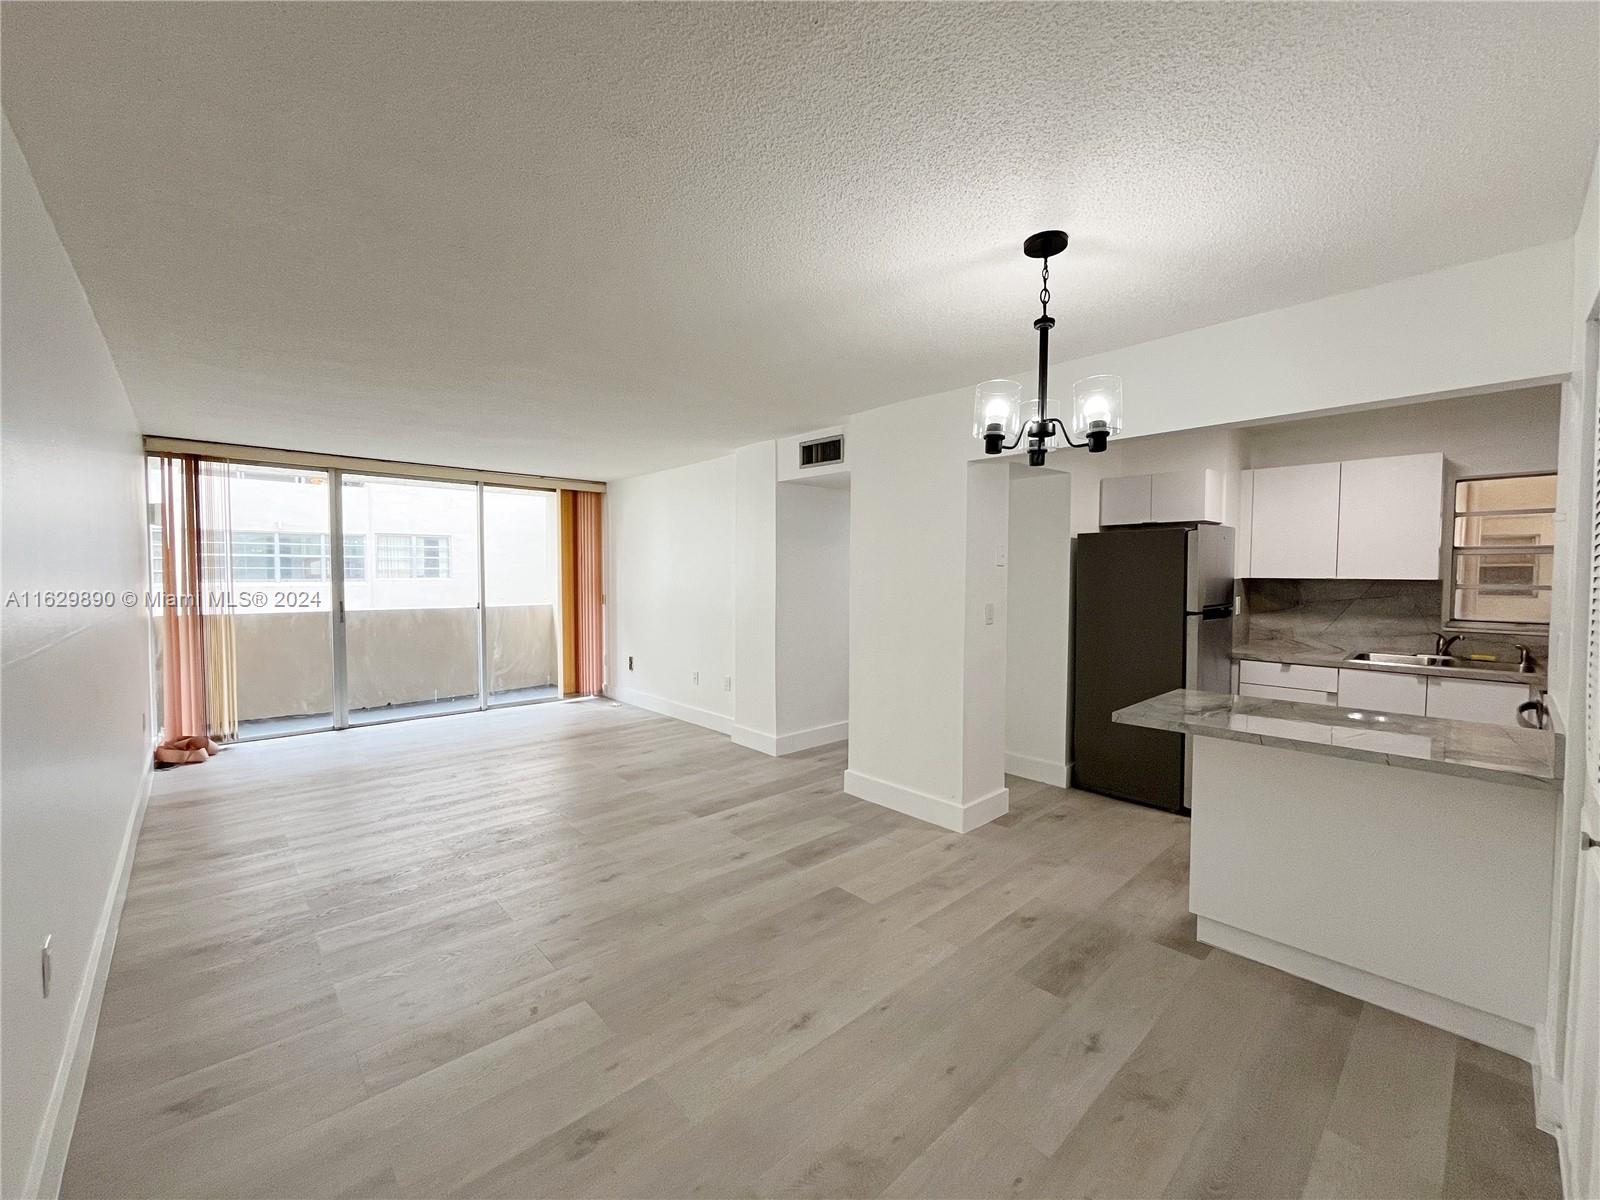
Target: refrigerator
x,y
1152,610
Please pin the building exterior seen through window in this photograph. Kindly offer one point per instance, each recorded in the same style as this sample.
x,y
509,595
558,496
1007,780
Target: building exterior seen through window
x,y
1503,551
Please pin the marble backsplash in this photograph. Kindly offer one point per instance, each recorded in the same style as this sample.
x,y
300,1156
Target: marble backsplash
x,y
1343,616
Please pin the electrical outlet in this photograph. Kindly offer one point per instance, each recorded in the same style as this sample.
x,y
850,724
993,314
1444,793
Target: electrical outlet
x,y
44,967
988,614
695,678
727,683
1000,555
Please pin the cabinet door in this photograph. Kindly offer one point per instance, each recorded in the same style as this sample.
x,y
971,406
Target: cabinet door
x,y
1383,691
1241,535
1125,500
1193,495
1294,522
1391,517
1475,700
1266,691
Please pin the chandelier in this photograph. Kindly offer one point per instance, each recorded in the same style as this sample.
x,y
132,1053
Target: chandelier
x,y
998,416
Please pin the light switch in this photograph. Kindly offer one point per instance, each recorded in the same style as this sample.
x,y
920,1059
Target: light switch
x,y
988,614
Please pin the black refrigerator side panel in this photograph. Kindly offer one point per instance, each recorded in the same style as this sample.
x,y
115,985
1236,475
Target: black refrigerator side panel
x,y
1127,645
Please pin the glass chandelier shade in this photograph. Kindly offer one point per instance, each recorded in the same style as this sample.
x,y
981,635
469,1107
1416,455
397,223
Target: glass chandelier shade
x,y
1097,406
997,409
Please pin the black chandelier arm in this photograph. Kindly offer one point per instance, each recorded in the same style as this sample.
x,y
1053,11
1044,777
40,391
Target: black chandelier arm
x,y
1061,428
1041,430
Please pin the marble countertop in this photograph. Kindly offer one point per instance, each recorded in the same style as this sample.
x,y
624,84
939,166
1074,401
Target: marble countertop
x,y
1308,656
1501,754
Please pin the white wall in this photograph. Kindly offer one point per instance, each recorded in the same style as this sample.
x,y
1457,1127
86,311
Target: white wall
x,y
755,589
813,615
908,507
77,745
1488,325
984,672
1478,435
1038,615
670,604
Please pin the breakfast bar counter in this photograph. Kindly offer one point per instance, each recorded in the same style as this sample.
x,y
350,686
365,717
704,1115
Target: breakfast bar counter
x,y
1403,860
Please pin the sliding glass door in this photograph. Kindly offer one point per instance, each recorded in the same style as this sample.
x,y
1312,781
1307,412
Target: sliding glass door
x,y
269,602
333,597
411,597
522,586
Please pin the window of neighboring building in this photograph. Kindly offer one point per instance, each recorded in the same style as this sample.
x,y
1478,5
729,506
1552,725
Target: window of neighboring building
x,y
268,557
1503,554
355,557
413,556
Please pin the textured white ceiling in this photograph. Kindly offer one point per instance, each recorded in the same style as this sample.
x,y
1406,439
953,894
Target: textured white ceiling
x,y
593,240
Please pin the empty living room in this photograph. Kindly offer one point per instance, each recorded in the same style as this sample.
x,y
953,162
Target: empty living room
x,y
815,599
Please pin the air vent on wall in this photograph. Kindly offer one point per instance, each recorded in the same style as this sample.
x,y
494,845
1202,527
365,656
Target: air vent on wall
x,y
822,451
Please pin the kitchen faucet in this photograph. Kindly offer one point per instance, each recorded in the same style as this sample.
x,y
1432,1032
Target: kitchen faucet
x,y
1442,644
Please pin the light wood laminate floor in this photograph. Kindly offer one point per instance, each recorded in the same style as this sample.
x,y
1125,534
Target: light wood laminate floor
x,y
581,950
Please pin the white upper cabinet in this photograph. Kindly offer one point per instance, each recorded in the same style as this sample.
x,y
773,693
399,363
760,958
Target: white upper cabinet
x,y
1125,500
1391,517
1193,495
1294,522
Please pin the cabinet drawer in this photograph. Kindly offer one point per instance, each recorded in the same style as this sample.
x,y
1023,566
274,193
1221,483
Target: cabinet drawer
x,y
1266,691
1475,700
1314,679
1384,691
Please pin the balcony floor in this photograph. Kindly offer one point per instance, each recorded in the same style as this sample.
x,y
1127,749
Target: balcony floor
x,y
271,727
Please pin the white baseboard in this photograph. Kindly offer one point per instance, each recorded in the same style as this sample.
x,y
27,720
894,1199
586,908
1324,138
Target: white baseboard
x,y
810,739
1040,770
1549,1095
754,739
1498,1032
671,708
61,1112
947,814
791,743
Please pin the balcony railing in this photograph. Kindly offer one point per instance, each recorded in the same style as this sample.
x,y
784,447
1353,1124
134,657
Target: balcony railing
x,y
396,657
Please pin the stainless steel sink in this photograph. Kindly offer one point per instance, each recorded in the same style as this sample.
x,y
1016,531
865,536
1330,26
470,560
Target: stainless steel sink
x,y
1405,660
1441,662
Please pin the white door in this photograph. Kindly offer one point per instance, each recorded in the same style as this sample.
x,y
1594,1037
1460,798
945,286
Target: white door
x,y
1582,1071
1294,522
1391,517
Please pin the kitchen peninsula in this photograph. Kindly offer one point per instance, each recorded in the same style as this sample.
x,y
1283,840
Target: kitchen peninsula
x,y
1405,860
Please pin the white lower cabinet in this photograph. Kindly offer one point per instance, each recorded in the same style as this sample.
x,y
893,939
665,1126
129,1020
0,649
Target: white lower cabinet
x,y
1290,675
1267,691
1384,691
1475,699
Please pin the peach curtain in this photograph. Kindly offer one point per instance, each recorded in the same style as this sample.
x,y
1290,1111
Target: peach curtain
x,y
590,599
185,734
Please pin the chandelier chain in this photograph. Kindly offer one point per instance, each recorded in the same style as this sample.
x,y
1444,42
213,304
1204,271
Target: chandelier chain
x,y
1044,291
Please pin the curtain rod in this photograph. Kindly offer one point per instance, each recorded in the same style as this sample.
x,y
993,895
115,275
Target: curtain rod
x,y
228,452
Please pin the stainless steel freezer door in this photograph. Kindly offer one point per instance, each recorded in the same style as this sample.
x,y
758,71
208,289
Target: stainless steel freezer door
x,y
1208,653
